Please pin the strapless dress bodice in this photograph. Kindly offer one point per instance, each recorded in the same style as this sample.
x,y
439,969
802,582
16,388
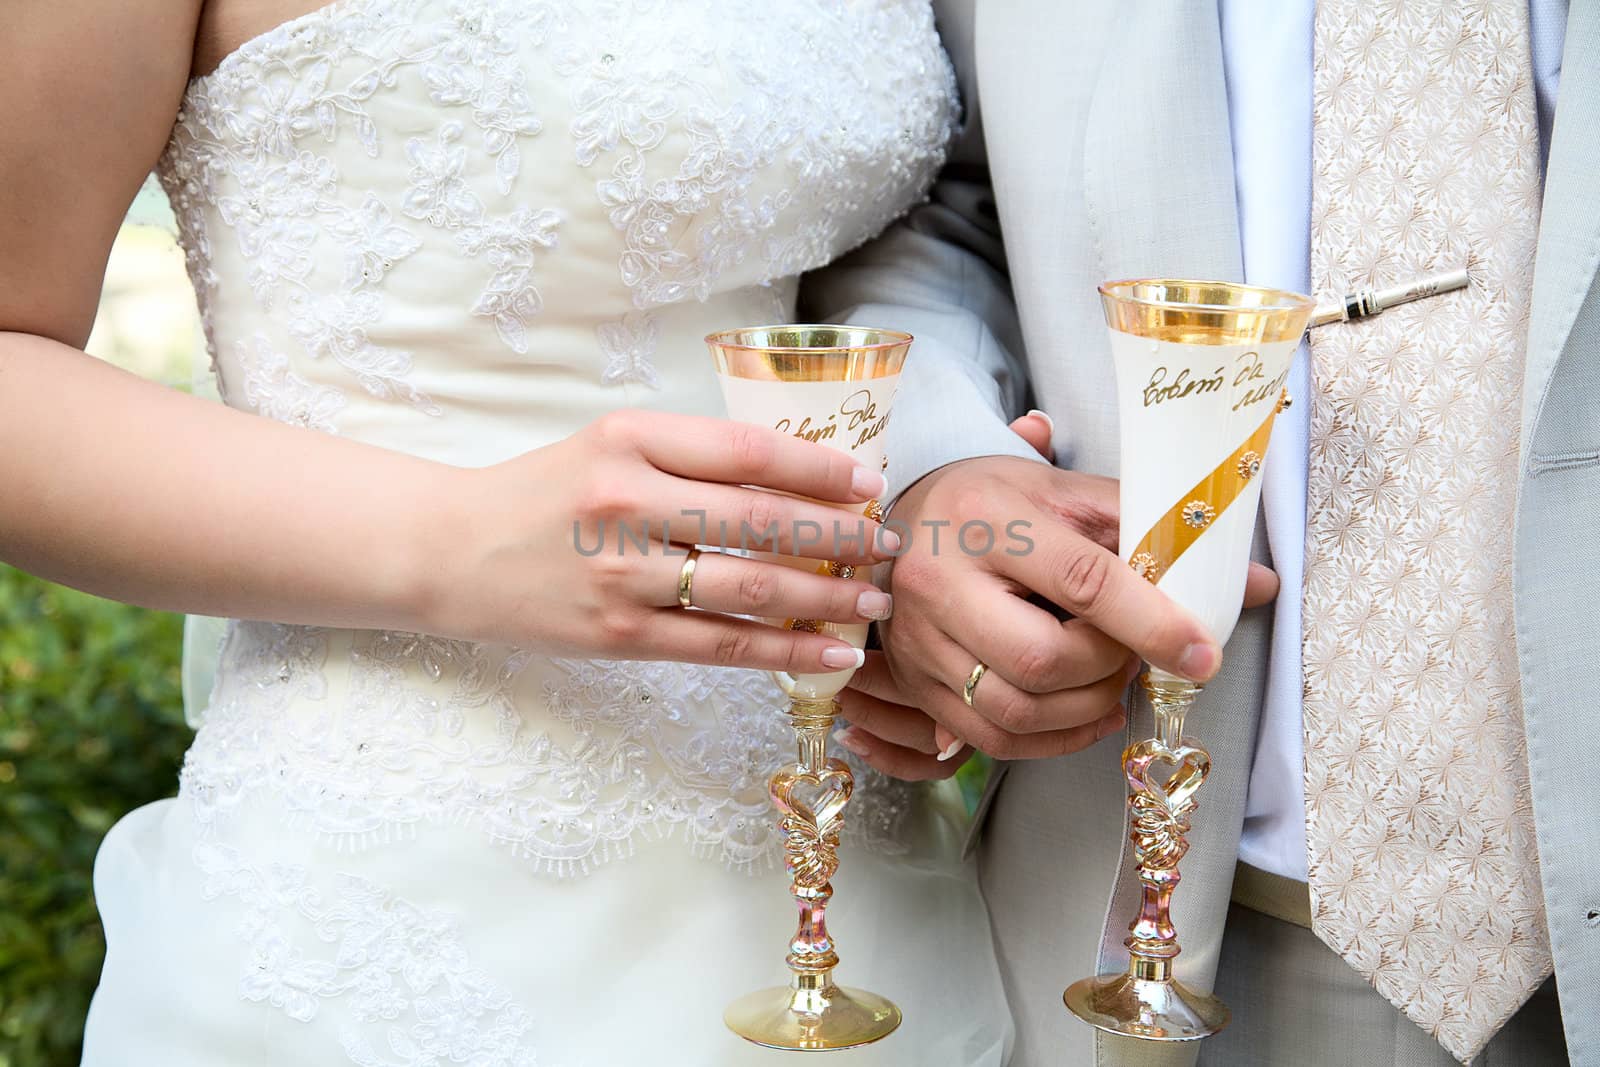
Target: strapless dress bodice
x,y
466,228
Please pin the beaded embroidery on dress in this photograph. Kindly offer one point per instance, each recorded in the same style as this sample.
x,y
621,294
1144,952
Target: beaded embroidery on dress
x,y
463,229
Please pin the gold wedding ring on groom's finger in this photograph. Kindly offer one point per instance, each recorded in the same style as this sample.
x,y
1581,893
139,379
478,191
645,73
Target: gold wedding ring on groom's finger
x,y
686,579
972,683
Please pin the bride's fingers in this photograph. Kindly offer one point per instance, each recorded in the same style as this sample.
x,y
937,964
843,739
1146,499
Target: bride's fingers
x,y
897,761
1036,428
716,450
897,723
724,641
735,517
951,744
740,586
875,679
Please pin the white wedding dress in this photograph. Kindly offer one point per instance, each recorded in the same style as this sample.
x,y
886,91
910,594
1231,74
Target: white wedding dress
x,y
464,229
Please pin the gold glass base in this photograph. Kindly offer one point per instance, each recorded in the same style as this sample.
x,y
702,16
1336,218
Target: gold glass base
x,y
1146,1008
1146,1001
812,1020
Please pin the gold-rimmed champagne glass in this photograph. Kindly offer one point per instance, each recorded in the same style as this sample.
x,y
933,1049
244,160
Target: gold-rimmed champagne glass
x,y
833,385
1200,369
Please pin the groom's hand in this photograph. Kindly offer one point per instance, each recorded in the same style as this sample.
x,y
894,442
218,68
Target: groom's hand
x,y
1052,686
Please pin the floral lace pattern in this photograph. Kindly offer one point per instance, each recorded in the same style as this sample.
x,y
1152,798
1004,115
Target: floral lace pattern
x,y
565,762
239,149
720,160
684,226
395,965
272,388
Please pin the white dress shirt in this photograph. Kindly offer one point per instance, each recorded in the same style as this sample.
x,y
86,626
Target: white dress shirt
x,y
1266,56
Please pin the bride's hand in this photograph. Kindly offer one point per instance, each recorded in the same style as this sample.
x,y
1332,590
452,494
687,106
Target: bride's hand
x,y
580,545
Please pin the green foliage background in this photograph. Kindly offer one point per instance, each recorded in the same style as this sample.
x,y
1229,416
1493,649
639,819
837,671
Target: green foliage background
x,y
91,726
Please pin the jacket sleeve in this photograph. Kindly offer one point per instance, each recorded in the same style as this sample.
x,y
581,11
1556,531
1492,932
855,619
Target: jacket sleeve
x,y
940,275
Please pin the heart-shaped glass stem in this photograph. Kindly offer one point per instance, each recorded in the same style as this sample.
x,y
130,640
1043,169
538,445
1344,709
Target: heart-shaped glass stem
x,y
813,805
812,1012
1164,773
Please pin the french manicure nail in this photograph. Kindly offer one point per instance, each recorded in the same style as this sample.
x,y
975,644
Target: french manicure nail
x,y
1199,661
1110,724
874,604
1048,421
852,741
951,749
869,483
888,540
843,658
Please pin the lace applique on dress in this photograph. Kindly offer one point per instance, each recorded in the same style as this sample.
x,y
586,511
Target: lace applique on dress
x,y
245,146
713,152
272,388
683,227
434,731
387,961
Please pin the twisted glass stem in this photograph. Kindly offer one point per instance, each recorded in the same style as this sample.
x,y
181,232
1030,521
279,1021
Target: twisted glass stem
x,y
811,797
1161,804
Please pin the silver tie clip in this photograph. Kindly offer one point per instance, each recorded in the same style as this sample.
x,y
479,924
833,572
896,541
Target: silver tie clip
x,y
1366,303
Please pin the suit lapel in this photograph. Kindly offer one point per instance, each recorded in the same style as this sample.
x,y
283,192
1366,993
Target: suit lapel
x,y
1558,524
1569,229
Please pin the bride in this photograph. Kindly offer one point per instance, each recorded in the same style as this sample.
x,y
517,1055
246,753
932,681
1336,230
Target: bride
x,y
471,796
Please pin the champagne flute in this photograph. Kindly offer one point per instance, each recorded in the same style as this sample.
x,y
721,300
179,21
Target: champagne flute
x,y
833,385
1200,369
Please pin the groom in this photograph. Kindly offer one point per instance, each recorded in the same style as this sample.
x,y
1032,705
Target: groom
x,y
1397,825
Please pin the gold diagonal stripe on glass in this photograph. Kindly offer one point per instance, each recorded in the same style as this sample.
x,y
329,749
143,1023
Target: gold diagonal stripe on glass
x,y
1171,536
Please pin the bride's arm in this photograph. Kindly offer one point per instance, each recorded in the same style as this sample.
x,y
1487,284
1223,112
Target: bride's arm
x,y
131,490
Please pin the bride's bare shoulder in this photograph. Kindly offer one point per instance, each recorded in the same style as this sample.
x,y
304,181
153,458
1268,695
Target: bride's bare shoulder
x,y
226,24
90,93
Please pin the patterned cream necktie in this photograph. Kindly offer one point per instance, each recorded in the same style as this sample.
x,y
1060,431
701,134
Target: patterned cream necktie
x,y
1424,874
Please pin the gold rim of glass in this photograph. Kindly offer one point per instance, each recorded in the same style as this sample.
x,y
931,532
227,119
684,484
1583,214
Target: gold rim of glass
x,y
807,352
1157,292
1204,312
774,339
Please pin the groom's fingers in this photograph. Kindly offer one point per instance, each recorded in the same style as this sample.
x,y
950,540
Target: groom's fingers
x,y
1003,721
1023,643
875,680
1090,582
1260,586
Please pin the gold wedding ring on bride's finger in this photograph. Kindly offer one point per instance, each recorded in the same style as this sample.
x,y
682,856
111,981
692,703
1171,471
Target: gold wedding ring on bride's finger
x,y
686,579
972,683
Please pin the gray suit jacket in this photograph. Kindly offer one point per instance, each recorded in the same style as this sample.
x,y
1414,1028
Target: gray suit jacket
x,y
1103,150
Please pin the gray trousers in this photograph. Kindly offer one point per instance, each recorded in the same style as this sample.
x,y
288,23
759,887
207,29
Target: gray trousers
x,y
1295,1002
